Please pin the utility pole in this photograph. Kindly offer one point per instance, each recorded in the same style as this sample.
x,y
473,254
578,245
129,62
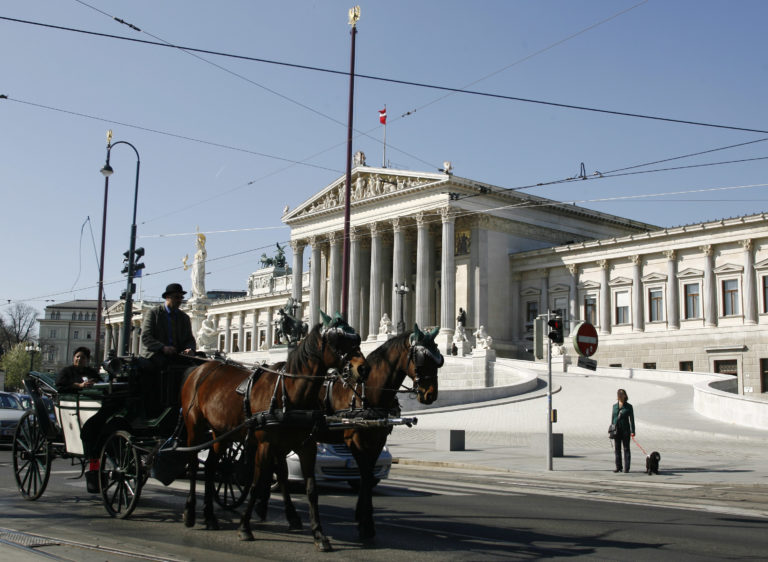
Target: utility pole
x,y
549,399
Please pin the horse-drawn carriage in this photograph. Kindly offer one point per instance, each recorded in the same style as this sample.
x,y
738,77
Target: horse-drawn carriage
x,y
246,418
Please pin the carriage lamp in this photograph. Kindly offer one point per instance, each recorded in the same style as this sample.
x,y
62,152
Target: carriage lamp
x,y
401,289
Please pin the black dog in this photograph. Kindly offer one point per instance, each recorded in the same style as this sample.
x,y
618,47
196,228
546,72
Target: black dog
x,y
652,463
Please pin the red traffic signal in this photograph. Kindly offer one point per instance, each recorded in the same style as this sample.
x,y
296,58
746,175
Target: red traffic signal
x,y
556,332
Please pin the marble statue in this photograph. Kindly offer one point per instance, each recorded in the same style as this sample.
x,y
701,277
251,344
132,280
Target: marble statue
x,y
198,268
482,339
207,335
385,326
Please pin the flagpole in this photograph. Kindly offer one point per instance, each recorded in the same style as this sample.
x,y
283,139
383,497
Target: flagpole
x,y
384,159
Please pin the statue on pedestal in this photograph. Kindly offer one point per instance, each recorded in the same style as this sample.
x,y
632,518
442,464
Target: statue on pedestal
x,y
198,269
385,326
207,335
482,339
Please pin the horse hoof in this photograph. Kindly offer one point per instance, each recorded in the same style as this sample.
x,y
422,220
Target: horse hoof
x,y
189,520
323,545
294,524
245,535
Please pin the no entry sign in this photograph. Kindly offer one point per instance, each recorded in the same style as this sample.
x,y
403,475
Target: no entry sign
x,y
585,339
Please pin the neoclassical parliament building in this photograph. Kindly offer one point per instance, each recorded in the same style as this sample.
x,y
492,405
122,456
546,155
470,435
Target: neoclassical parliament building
x,y
685,298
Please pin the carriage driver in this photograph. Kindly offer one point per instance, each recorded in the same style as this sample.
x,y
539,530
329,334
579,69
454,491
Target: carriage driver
x,y
166,335
167,330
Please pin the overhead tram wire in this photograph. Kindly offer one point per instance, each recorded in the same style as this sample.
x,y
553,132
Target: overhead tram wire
x,y
403,82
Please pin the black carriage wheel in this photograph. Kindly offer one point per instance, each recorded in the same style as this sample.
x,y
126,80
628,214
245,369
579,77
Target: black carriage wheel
x,y
31,457
234,474
120,475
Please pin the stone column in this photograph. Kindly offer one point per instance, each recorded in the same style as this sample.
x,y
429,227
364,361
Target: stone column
x,y
710,295
447,282
673,292
268,330
254,330
514,306
353,314
638,310
398,267
107,344
750,294
374,301
544,297
315,271
422,270
605,297
298,272
228,333
241,332
135,341
334,291
573,296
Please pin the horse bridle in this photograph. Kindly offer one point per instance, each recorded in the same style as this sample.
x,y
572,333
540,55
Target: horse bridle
x,y
418,355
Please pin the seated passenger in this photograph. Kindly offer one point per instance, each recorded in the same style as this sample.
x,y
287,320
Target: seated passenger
x,y
78,375
74,378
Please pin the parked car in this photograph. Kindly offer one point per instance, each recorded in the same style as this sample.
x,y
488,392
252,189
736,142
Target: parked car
x,y
26,403
336,463
11,411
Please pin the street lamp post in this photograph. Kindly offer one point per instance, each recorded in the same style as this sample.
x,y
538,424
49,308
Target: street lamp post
x,y
128,314
401,289
31,348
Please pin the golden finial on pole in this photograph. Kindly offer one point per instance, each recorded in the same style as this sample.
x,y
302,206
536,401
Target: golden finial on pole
x,y
109,138
354,15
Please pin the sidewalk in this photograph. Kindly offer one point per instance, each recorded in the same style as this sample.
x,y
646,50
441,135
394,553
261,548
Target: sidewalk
x,y
510,434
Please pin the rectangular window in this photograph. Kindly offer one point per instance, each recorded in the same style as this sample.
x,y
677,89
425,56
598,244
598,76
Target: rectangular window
x,y
235,347
561,308
221,343
692,300
655,305
763,375
765,293
727,367
531,311
87,335
686,365
75,335
590,310
248,338
622,307
730,297
52,333
649,365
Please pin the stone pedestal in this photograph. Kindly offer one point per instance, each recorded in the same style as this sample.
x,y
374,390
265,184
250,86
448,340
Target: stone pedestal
x,y
197,308
449,440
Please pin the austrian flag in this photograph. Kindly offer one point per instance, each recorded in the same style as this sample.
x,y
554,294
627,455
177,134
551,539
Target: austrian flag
x,y
383,116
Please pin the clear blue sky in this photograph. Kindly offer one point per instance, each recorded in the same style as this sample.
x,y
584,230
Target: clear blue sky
x,y
690,60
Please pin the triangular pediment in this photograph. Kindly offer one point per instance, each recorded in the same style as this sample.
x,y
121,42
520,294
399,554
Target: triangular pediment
x,y
655,278
620,282
530,292
762,264
368,185
727,268
690,273
589,286
559,288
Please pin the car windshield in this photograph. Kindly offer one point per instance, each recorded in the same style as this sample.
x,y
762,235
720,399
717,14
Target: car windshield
x,y
9,402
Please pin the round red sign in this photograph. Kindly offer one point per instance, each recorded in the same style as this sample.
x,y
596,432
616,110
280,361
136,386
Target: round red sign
x,y
585,339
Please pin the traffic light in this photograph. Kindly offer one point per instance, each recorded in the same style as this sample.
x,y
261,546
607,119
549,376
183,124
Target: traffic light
x,y
556,332
138,253
124,295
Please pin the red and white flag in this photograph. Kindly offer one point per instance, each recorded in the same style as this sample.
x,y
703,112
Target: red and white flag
x,y
383,116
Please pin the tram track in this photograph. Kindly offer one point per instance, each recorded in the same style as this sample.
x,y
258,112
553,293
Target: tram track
x,y
54,548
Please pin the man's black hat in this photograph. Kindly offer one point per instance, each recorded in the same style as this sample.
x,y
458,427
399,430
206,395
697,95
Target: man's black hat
x,y
174,288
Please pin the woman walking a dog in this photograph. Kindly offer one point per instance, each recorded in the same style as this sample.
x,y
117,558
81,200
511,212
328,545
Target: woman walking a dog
x,y
623,417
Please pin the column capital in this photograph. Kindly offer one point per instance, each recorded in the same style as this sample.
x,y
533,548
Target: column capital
x,y
603,264
746,244
670,254
333,238
421,217
573,269
397,224
297,245
374,228
314,240
707,250
636,259
355,234
447,214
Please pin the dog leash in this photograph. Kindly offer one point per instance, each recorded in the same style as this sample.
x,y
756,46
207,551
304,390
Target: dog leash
x,y
639,445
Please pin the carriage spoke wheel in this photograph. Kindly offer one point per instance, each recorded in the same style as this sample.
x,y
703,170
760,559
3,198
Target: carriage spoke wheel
x,y
120,475
31,457
233,476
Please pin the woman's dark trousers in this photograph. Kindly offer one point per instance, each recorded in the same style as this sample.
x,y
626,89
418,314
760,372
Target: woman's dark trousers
x,y
618,443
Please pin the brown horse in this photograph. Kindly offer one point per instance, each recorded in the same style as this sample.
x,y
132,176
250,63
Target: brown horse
x,y
276,414
412,354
